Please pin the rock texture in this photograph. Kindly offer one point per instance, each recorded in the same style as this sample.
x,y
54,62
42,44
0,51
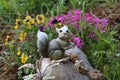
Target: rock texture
x,y
63,71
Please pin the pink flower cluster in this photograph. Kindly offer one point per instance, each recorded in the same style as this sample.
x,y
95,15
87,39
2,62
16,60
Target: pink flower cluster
x,y
74,16
78,42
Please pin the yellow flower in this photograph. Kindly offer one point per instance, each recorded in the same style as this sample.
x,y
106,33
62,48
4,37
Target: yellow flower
x,y
59,24
40,19
13,41
29,26
28,17
7,37
18,53
6,40
17,23
22,35
21,38
24,58
18,20
28,20
32,21
16,26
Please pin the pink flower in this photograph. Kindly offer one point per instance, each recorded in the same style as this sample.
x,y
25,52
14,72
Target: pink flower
x,y
92,35
74,15
96,23
61,18
75,24
78,42
96,20
77,12
88,17
50,22
104,22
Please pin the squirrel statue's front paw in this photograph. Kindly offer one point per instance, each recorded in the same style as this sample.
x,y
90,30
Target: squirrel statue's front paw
x,y
81,67
73,57
95,75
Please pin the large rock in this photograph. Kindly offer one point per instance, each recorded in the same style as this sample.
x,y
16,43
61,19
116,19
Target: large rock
x,y
63,71
66,70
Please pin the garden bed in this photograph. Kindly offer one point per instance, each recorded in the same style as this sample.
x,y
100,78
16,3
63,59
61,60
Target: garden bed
x,y
10,72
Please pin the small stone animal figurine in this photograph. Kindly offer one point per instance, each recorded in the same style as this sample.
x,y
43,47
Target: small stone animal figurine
x,y
55,48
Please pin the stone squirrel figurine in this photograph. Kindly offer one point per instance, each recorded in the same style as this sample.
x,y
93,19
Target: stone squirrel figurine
x,y
55,48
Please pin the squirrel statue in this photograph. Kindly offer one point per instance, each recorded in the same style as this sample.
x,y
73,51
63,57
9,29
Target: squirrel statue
x,y
55,48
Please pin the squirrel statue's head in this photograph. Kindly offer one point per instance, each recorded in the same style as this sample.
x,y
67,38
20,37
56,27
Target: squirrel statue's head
x,y
64,32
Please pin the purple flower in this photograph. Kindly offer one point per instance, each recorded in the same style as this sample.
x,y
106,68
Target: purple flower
x,y
42,28
70,13
78,42
77,12
50,22
96,23
88,17
67,21
96,20
104,22
74,15
92,35
76,24
62,18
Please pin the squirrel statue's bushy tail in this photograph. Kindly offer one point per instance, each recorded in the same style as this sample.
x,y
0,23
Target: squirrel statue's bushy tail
x,y
42,43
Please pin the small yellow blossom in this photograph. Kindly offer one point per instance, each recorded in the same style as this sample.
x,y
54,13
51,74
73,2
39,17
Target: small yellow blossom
x,y
18,20
16,26
6,40
32,21
24,58
40,19
13,41
7,37
22,35
28,17
59,24
29,26
21,38
28,20
18,53
17,23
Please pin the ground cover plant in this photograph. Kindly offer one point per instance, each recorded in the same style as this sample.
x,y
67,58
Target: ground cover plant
x,y
90,33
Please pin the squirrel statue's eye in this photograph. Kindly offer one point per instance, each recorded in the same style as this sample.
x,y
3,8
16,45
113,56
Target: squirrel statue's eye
x,y
67,31
60,30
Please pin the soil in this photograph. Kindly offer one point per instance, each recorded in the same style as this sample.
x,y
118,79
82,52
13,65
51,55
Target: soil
x,y
112,13
7,72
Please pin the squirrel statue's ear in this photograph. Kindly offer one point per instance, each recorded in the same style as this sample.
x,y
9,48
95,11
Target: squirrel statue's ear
x,y
65,26
57,30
